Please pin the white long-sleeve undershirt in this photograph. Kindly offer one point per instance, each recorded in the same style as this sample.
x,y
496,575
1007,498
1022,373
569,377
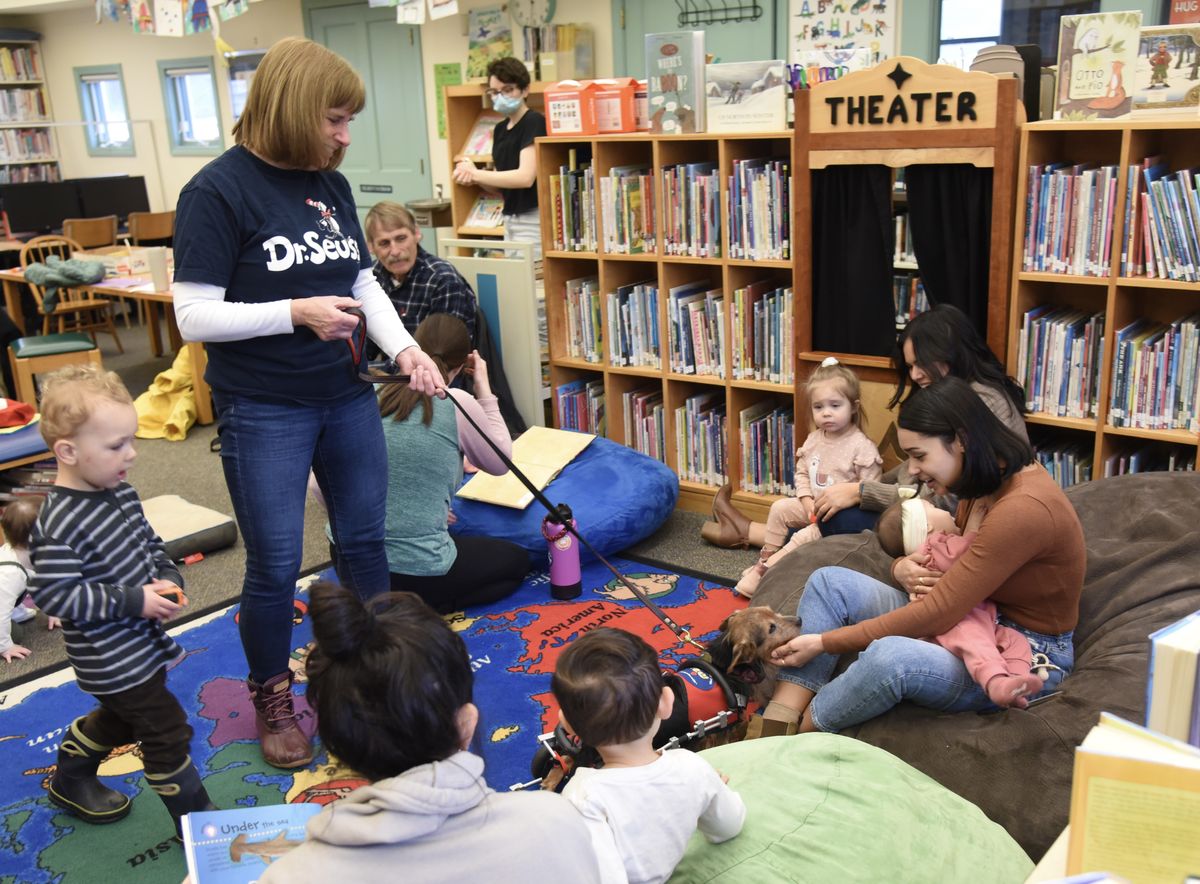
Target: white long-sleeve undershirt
x,y
203,314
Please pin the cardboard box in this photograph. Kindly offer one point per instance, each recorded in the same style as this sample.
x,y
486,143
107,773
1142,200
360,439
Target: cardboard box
x,y
641,107
570,108
119,260
614,105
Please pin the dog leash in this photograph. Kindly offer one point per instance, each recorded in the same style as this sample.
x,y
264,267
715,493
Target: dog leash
x,y
358,349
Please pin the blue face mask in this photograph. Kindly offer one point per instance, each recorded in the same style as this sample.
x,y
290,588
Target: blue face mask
x,y
502,104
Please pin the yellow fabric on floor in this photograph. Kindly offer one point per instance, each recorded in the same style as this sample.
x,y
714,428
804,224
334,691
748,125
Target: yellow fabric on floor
x,y
168,408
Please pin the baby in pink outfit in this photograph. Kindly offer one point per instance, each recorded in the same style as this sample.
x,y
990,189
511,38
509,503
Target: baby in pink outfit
x,y
998,657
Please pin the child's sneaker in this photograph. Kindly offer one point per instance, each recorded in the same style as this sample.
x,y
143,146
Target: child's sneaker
x,y
24,611
750,578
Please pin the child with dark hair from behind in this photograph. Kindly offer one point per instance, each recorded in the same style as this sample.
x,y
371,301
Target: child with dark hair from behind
x,y
642,806
15,567
101,568
391,684
998,657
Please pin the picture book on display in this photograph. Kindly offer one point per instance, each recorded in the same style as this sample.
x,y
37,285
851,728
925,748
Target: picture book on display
x,y
1135,804
746,96
1172,701
1097,59
236,846
1167,79
675,81
478,144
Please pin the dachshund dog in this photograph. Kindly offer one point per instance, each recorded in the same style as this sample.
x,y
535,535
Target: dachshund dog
x,y
747,638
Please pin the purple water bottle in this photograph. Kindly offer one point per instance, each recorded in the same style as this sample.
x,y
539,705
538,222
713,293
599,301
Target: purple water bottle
x,y
565,580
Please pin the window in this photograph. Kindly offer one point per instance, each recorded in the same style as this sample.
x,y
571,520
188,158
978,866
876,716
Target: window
x,y
102,101
193,116
242,66
970,25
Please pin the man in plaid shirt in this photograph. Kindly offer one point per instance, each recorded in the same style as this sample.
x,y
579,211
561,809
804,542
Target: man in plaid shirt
x,y
418,283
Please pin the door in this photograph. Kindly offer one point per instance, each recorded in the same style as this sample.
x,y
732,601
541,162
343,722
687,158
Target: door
x,y
736,41
388,158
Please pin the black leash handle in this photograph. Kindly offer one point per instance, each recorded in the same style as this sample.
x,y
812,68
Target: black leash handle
x,y
556,513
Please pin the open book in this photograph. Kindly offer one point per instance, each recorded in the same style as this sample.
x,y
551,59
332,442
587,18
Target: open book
x,y
1135,804
235,846
540,453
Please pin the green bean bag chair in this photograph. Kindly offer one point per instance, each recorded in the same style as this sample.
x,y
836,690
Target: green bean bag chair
x,y
820,807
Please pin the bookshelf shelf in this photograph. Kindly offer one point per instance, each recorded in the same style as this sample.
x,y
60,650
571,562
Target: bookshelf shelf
x,y
25,102
701,401
1122,384
479,231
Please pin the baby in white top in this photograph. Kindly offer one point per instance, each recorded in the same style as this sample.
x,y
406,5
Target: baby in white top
x,y
642,806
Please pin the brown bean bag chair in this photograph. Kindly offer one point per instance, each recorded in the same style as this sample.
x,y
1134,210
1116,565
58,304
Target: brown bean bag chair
x,y
1143,542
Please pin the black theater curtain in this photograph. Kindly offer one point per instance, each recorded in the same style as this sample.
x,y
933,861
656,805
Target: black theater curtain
x,y
950,210
852,260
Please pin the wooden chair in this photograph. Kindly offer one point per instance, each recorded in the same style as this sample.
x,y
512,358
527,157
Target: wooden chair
x,y
145,226
92,233
77,308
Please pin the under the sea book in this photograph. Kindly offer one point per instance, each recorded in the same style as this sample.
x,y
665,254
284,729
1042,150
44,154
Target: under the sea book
x,y
236,846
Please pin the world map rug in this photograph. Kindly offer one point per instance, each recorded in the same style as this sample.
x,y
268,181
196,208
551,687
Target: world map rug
x,y
513,645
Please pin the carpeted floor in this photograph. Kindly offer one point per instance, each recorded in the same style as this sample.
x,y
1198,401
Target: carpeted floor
x,y
513,646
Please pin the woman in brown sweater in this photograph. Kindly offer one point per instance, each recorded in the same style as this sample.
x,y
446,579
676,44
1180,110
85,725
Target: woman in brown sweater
x,y
1028,557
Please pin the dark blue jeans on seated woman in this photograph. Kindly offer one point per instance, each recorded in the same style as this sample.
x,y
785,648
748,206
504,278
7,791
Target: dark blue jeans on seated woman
x,y
267,449
893,668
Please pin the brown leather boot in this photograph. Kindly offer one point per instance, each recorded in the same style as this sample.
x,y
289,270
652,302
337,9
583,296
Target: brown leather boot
x,y
282,741
731,529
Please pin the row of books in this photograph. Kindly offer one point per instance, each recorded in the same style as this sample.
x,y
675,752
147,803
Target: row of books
x,y
572,213
1162,222
23,106
691,210
583,319
908,297
696,329
1059,354
645,422
763,346
633,325
1156,375
31,479
627,210
904,253
760,201
1069,218
25,144
1150,459
701,451
767,432
19,63
30,172
581,406
1068,463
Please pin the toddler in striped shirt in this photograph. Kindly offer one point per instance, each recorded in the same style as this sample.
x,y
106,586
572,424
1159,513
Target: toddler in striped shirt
x,y
100,567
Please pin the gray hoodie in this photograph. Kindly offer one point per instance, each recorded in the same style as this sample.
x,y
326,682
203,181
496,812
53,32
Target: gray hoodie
x,y
441,822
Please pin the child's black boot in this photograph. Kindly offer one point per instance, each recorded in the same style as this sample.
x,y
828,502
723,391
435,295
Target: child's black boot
x,y
181,791
75,786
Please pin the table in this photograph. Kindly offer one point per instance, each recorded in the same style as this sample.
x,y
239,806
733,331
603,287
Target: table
x,y
198,358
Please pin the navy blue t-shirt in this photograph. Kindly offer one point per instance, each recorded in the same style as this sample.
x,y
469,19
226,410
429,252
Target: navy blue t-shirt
x,y
268,234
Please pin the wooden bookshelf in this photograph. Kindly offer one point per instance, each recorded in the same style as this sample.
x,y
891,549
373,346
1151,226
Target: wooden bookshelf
x,y
28,149
1122,299
464,103
614,270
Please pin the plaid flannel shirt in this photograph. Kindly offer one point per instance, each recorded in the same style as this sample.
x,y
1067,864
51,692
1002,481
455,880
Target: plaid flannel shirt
x,y
432,286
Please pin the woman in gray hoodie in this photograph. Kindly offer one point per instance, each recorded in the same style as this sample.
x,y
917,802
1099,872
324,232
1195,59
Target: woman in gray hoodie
x,y
391,685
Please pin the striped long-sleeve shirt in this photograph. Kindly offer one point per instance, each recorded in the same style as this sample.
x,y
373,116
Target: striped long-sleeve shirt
x,y
93,551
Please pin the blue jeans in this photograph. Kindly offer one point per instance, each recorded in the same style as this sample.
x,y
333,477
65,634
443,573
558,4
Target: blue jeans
x,y
267,449
892,668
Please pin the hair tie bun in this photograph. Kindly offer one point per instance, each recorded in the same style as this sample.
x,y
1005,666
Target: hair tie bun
x,y
914,524
342,623
828,361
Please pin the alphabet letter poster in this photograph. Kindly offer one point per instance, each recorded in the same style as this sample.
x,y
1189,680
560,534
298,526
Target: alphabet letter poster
x,y
843,24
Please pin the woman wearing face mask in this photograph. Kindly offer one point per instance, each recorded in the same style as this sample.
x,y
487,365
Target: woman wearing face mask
x,y
513,153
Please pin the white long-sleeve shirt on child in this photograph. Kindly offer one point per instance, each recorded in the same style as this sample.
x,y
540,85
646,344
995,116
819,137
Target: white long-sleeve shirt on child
x,y
14,575
641,818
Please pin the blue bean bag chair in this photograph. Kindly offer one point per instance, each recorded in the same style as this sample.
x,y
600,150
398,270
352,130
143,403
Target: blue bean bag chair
x,y
618,496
